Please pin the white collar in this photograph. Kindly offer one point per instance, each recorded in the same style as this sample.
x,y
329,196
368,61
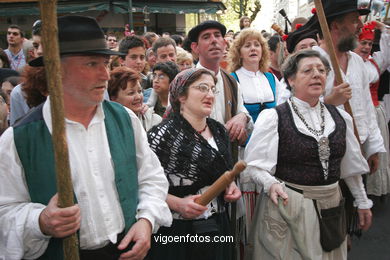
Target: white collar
x,y
304,106
97,118
250,73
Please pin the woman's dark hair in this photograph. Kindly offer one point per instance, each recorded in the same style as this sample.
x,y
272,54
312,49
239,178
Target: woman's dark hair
x,y
119,78
290,66
34,85
183,90
178,39
273,42
4,59
170,68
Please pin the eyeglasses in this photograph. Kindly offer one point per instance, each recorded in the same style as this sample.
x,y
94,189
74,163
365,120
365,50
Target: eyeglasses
x,y
158,76
204,88
310,71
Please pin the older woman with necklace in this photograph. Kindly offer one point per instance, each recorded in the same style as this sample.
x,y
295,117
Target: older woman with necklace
x,y
298,152
194,151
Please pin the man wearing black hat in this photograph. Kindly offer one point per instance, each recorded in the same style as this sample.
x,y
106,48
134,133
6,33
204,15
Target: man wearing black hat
x,y
345,25
301,39
118,181
208,42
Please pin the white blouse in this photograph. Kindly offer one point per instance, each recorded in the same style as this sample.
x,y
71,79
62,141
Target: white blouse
x,y
261,153
255,87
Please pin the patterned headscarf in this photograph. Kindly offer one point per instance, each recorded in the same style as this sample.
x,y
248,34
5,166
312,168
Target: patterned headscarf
x,y
178,86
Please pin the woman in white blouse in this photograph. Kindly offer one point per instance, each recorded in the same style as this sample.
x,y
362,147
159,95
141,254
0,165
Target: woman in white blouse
x,y
248,62
298,152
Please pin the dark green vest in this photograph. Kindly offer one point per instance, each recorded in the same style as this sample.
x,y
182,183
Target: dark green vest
x,y
35,149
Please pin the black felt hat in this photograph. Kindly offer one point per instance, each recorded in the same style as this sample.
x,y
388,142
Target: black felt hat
x,y
298,35
334,8
193,34
79,35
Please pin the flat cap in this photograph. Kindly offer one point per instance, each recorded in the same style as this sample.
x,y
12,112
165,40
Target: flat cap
x,y
193,34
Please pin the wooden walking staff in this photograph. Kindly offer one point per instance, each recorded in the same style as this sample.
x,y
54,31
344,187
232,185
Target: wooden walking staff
x,y
333,57
221,184
51,52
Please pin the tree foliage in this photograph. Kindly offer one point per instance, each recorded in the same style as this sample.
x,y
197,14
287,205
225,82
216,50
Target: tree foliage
x,y
239,8
245,7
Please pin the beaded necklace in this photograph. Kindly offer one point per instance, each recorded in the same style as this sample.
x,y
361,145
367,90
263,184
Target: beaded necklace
x,y
323,142
201,131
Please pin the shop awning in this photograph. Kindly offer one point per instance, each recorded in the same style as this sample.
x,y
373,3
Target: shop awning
x,y
173,7
121,7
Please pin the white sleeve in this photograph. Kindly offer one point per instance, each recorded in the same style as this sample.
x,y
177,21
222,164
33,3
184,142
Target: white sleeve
x,y
241,109
374,142
283,93
382,57
18,105
355,185
261,151
353,162
20,234
152,183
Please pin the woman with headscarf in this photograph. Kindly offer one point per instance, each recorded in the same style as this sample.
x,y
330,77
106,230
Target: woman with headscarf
x,y
194,151
298,152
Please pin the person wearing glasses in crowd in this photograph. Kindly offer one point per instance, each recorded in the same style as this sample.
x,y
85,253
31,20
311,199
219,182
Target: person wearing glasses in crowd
x,y
163,74
15,53
112,41
194,151
124,87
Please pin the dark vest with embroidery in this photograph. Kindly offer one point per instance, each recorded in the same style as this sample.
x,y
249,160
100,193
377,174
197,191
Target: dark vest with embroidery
x,y
298,159
35,149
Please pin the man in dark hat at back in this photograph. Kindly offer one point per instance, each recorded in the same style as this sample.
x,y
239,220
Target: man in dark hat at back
x,y
301,39
208,42
344,23
118,181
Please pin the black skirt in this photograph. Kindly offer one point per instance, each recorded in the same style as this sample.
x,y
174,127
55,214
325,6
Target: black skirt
x,y
193,240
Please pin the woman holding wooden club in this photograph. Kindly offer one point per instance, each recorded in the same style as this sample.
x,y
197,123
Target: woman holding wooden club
x,y
194,151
